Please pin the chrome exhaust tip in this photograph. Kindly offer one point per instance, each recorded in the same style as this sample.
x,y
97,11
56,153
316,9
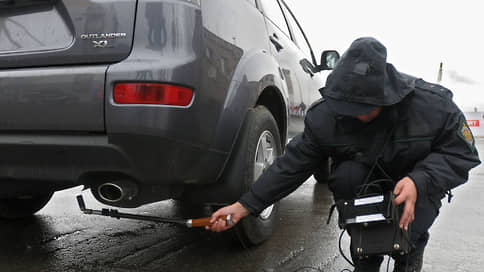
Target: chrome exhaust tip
x,y
110,192
114,192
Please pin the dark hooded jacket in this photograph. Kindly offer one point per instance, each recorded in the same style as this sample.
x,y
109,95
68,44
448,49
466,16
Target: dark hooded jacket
x,y
420,132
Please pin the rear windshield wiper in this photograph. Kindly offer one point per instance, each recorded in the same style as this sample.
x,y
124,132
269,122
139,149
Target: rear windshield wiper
x,y
4,4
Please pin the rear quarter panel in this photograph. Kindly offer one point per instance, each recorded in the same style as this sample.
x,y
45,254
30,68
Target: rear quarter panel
x,y
204,47
239,24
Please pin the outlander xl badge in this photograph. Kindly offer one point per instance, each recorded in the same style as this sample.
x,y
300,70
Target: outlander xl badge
x,y
104,38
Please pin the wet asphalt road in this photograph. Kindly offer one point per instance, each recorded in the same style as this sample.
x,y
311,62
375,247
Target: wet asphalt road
x,y
60,238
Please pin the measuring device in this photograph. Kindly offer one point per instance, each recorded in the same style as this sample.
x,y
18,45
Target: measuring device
x,y
190,223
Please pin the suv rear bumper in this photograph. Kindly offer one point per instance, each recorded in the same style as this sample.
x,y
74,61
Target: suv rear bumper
x,y
70,160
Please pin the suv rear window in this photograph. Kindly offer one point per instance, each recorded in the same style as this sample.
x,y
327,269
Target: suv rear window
x,y
23,32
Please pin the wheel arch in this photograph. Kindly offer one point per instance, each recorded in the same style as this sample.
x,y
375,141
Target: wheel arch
x,y
272,99
256,81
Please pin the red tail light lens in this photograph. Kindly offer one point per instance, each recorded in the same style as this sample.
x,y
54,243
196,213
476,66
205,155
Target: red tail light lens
x,y
152,93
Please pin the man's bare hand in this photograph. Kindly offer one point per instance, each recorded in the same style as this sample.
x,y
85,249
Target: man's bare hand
x,y
406,191
236,210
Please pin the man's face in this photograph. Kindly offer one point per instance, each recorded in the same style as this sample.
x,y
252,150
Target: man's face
x,y
368,117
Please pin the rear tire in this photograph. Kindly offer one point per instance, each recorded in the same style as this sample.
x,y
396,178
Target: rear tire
x,y
21,207
264,145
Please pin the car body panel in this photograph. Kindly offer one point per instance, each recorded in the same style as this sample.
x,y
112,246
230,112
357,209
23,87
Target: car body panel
x,y
53,99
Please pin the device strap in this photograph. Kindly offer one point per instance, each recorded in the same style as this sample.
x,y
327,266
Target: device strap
x,y
388,135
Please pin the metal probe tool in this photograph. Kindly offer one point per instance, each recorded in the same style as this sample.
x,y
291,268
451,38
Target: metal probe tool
x,y
199,222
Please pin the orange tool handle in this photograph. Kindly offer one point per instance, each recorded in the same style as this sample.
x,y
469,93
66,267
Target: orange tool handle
x,y
202,222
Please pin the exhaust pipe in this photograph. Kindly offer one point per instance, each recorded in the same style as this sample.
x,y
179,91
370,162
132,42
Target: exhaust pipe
x,y
117,191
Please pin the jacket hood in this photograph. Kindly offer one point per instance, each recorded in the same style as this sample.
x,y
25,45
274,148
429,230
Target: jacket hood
x,y
363,76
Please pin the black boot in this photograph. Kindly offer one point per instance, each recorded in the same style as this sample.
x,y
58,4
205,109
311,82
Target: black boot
x,y
371,264
411,262
366,264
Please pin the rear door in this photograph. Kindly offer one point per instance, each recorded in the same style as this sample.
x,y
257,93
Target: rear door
x,y
289,56
310,81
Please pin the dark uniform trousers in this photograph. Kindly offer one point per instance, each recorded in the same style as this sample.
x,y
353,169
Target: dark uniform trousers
x,y
344,183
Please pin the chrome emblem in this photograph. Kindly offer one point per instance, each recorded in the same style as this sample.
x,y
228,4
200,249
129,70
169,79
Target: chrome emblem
x,y
91,36
104,38
101,44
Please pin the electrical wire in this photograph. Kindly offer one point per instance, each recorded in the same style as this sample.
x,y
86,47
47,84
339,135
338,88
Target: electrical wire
x,y
363,188
246,248
341,250
318,269
388,264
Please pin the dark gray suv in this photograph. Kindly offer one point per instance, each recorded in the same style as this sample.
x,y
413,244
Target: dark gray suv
x,y
146,100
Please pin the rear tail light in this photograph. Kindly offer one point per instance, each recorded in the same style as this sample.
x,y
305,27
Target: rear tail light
x,y
152,93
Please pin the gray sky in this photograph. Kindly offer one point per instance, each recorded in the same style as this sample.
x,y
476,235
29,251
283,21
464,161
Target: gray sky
x,y
418,34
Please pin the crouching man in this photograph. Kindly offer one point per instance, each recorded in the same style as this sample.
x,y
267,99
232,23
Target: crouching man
x,y
372,114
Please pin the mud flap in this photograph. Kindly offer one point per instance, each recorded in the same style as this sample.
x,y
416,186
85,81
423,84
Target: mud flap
x,y
230,185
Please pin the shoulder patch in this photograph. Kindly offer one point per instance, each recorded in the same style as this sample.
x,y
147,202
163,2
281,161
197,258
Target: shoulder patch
x,y
315,103
434,88
465,133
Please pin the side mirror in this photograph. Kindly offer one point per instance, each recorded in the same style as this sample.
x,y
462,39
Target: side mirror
x,y
329,58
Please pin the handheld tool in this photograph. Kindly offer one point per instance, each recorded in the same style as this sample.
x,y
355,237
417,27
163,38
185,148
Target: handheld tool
x,y
199,222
